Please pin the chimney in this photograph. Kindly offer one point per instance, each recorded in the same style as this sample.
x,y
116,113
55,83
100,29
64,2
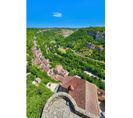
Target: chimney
x,y
70,88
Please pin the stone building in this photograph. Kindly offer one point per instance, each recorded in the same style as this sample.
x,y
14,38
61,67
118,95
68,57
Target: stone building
x,y
74,98
100,35
59,70
36,82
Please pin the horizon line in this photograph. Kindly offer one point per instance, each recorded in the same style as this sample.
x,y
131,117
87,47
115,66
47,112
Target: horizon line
x,y
64,26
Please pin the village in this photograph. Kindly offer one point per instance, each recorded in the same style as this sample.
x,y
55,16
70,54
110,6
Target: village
x,y
90,100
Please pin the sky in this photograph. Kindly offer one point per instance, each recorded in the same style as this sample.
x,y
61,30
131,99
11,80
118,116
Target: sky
x,y
65,13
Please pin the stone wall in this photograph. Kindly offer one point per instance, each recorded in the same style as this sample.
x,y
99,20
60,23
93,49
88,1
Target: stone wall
x,y
76,111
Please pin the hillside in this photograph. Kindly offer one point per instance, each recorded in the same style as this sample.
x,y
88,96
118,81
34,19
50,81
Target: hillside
x,y
81,51
77,53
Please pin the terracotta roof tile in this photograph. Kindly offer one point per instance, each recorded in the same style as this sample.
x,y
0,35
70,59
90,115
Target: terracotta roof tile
x,y
84,93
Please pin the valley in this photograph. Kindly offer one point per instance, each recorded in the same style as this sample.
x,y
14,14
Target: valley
x,y
79,51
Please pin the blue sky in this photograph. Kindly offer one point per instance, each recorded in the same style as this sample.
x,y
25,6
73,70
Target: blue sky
x,y
65,13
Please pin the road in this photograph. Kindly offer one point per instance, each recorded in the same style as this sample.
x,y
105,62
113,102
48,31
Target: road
x,y
86,57
35,38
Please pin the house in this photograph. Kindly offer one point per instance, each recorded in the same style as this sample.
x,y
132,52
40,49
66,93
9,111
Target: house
x,y
59,70
90,46
75,98
46,62
34,50
38,53
63,79
36,81
36,61
84,94
46,68
50,72
100,35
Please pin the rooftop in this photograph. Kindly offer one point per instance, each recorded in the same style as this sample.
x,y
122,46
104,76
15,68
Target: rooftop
x,y
84,93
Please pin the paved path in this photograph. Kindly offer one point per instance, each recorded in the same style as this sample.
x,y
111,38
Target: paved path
x,y
87,57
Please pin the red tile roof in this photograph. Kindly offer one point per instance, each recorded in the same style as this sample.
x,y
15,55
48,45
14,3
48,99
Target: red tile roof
x,y
58,68
84,93
36,61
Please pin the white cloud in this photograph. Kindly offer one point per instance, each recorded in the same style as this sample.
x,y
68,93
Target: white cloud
x,y
57,14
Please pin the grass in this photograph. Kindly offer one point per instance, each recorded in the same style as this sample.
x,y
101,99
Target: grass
x,y
36,97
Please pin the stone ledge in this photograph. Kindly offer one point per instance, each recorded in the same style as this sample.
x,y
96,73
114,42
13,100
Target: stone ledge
x,y
62,95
